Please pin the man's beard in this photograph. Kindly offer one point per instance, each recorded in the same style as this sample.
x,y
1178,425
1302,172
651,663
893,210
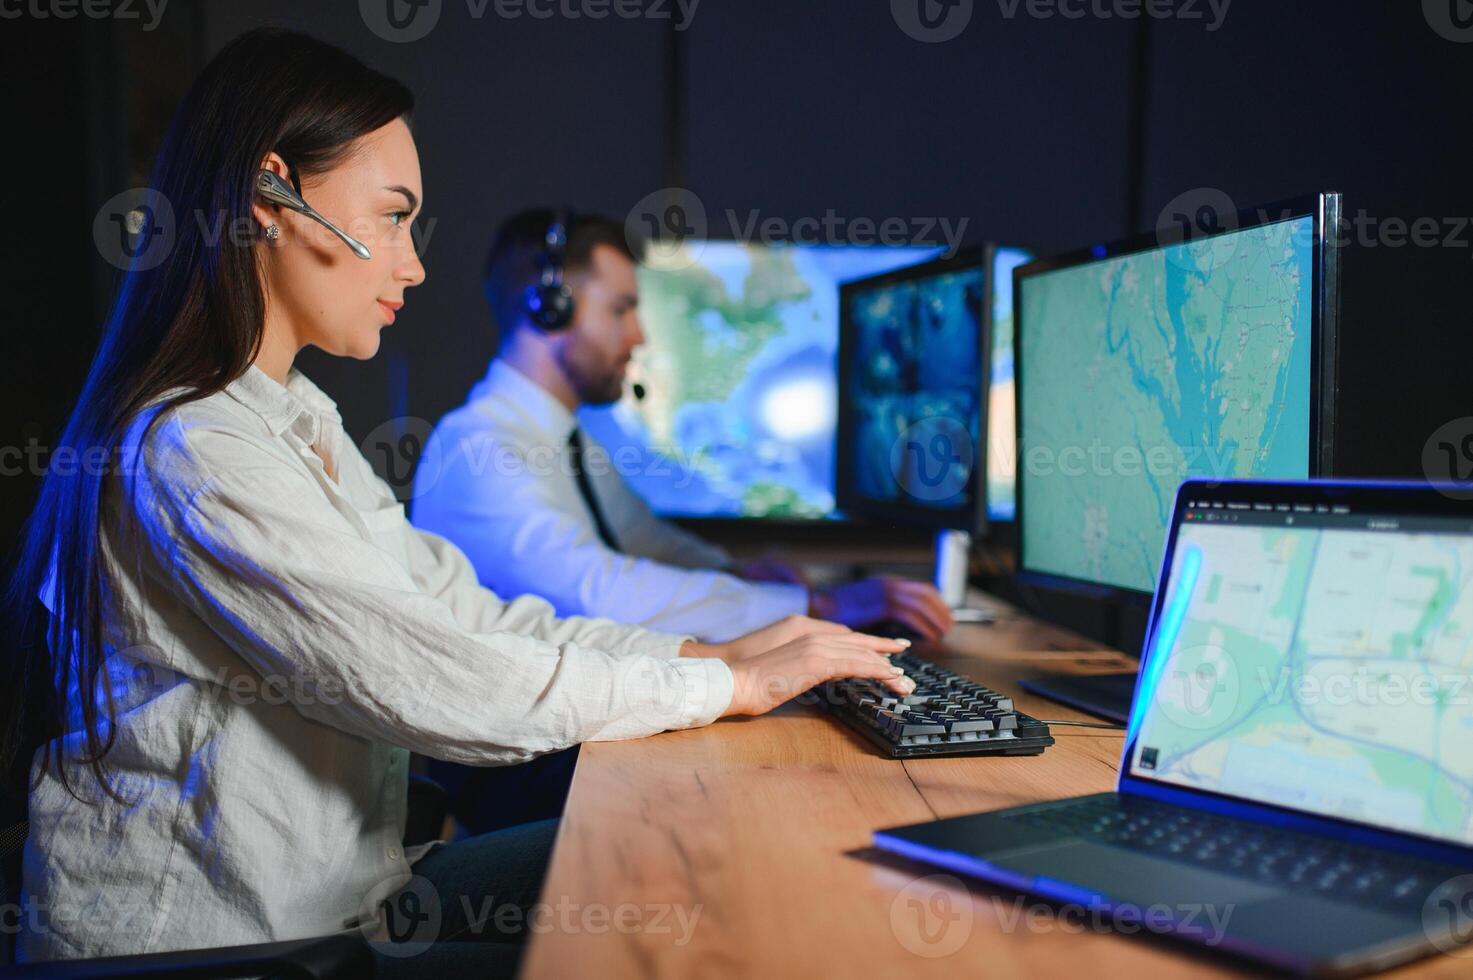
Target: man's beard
x,y
592,387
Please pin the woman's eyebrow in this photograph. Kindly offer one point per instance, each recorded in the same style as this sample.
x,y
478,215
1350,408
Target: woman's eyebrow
x,y
408,195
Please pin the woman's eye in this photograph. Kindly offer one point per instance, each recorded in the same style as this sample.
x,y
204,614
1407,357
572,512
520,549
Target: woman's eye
x,y
398,217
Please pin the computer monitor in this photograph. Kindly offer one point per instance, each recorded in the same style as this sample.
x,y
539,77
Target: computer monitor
x,y
912,390
999,261
738,375
1173,355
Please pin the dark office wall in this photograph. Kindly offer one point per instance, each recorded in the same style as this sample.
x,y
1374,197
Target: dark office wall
x,y
1366,98
1020,127
45,334
75,136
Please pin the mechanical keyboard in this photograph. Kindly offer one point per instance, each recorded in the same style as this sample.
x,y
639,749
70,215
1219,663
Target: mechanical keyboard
x,y
947,714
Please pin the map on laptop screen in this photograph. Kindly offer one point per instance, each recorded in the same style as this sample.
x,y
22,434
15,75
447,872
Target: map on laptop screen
x,y
1321,669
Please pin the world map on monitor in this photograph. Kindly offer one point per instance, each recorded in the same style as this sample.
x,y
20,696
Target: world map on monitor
x,y
738,369
1139,371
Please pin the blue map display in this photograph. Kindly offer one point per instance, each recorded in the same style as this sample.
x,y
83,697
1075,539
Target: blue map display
x,y
1142,370
739,372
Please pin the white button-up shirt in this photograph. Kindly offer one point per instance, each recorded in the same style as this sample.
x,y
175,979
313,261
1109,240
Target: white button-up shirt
x,y
279,641
495,479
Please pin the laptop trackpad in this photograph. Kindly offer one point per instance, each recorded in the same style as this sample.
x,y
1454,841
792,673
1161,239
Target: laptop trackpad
x,y
1128,876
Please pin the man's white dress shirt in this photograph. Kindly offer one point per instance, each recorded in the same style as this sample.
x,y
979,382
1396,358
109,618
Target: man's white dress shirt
x,y
279,641
496,479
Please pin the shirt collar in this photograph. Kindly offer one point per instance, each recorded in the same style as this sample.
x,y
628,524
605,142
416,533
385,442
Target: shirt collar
x,y
299,404
539,404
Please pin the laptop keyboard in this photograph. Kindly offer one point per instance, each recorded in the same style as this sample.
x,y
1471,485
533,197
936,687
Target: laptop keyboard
x,y
1296,862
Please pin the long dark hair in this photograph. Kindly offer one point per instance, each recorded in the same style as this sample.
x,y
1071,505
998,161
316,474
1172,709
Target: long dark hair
x,y
190,325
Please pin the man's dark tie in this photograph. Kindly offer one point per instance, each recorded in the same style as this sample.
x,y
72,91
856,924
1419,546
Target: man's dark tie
x,y
585,487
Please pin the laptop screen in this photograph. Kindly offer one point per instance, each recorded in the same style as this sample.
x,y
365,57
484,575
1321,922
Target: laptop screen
x,y
1316,654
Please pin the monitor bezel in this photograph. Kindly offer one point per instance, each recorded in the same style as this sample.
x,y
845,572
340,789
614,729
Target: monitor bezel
x,y
990,251
1365,496
1325,209
847,501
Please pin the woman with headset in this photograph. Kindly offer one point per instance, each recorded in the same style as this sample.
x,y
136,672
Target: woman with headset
x,y
244,637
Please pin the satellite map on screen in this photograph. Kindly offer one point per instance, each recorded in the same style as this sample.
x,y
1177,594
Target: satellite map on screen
x,y
738,369
1143,370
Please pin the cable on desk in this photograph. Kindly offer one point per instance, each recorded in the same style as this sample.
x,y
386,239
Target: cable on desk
x,y
1108,726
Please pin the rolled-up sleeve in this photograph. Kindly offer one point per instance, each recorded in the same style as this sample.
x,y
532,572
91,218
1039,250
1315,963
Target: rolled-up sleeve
x,y
418,655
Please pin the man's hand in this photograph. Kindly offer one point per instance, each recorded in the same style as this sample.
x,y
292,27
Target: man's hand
x,y
765,681
916,604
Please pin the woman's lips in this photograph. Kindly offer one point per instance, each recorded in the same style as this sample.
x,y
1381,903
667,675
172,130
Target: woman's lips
x,y
388,309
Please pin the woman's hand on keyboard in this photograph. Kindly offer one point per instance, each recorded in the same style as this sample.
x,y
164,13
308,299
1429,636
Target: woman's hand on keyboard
x,y
771,637
764,681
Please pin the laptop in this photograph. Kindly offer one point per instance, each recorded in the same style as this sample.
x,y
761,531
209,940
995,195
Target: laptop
x,y
1296,785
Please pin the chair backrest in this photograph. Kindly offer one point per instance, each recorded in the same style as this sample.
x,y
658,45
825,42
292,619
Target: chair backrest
x,y
36,729
12,844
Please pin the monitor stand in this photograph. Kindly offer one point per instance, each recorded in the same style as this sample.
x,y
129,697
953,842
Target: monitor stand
x,y
953,551
1105,696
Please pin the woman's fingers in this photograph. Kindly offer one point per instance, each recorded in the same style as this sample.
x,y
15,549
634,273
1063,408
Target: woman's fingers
x,y
821,627
880,644
872,668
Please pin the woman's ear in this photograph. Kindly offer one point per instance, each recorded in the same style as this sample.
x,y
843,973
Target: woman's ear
x,y
264,212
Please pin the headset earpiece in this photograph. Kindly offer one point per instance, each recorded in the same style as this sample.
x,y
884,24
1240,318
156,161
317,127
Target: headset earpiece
x,y
549,300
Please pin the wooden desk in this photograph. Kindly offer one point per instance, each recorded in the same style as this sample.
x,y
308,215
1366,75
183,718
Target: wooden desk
x,y
723,852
